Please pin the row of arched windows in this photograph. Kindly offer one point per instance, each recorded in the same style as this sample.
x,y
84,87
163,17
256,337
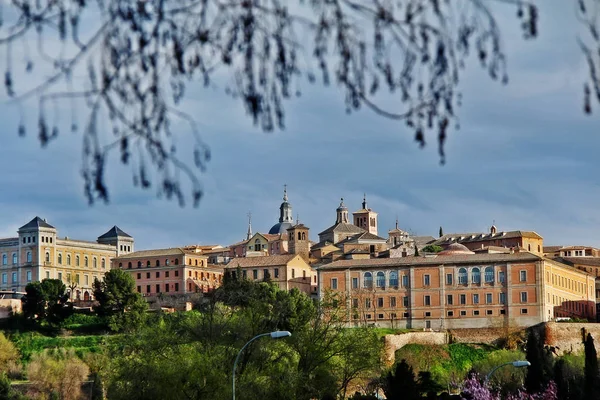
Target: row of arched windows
x,y
463,277
15,259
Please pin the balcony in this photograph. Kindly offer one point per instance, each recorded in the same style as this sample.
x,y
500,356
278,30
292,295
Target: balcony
x,y
46,263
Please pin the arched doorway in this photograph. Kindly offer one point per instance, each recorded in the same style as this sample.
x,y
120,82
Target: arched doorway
x,y
86,296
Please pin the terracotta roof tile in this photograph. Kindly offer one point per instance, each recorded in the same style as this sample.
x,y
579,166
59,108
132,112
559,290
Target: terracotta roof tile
x,y
260,261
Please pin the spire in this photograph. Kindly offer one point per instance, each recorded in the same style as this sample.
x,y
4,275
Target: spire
x,y
396,222
249,233
297,219
364,201
285,210
285,198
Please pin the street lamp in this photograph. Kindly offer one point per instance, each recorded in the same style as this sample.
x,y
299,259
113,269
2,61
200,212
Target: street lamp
x,y
516,364
274,335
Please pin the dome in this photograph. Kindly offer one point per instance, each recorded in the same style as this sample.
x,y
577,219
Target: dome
x,y
280,227
342,207
455,248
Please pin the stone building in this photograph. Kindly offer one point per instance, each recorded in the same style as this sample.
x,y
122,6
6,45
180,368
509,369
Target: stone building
x,y
39,253
457,288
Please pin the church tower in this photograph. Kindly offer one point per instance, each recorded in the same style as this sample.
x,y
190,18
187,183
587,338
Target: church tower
x,y
298,242
366,218
342,213
286,218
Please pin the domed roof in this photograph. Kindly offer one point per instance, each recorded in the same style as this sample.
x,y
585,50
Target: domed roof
x,y
455,248
280,227
342,207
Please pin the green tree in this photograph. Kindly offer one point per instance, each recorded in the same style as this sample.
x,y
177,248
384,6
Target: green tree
x,y
401,385
441,232
416,250
46,301
539,373
119,301
592,385
432,248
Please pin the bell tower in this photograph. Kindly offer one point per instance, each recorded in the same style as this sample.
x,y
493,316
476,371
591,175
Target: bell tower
x,y
298,242
366,218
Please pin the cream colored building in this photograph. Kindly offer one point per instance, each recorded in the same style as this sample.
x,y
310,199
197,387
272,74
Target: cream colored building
x,y
39,253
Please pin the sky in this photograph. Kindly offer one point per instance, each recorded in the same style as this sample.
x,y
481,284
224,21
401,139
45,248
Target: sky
x,y
524,158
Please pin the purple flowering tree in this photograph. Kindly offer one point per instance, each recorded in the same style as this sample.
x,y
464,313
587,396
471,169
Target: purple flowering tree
x,y
475,389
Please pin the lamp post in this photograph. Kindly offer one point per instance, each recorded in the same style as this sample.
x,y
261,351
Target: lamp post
x,y
273,335
516,364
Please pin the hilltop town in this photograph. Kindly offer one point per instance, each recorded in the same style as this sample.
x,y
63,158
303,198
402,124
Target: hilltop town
x,y
389,279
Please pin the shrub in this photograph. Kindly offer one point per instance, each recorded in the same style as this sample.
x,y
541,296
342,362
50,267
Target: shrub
x,y
58,375
9,355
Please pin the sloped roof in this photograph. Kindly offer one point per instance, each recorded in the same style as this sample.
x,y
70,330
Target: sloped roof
x,y
591,261
552,249
260,261
37,222
173,251
343,227
479,236
114,232
436,260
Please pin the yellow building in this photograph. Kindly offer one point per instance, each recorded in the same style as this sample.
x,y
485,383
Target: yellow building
x,y
287,271
39,253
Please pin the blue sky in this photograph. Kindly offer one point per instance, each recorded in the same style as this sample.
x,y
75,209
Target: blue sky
x,y
524,157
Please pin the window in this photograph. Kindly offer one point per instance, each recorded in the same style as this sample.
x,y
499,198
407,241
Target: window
x,y
426,280
448,279
47,257
14,277
28,256
254,274
475,312
147,288
139,275
157,263
176,273
463,313
523,276
405,315
354,283
95,262
380,302
488,312
380,279
463,299
475,298
427,300
158,274
276,272
355,303
449,299
244,274
502,298
59,259
501,277
77,261
128,264
462,276
139,289
368,280
405,280
405,301
334,283
167,261
451,313
177,261
523,311
157,288
166,287
488,298
293,273
86,279
147,275
86,264
489,275
47,274
393,278
15,259
523,297
367,303
60,276
476,276
68,259
28,276
4,278
166,274
392,302
176,287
